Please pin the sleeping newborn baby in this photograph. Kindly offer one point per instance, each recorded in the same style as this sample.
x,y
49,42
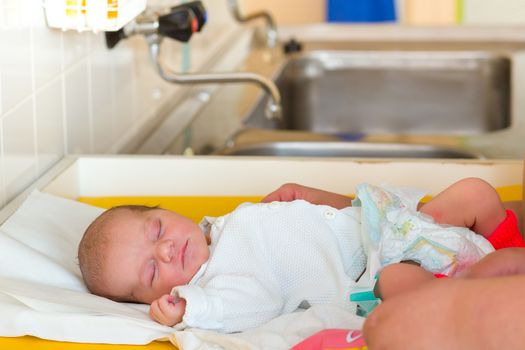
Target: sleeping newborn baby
x,y
240,270
227,274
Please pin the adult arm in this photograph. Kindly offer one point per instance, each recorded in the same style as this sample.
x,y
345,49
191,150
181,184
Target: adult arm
x,y
503,262
452,313
290,191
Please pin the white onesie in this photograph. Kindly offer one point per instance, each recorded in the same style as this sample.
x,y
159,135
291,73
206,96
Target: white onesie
x,y
269,259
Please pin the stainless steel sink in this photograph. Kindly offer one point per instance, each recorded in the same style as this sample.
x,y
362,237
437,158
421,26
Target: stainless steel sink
x,y
405,97
389,92
345,149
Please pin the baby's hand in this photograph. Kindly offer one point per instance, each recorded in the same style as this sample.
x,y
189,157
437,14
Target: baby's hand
x,y
290,192
167,310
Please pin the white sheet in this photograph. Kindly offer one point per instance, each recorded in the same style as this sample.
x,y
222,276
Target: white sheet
x,y
42,294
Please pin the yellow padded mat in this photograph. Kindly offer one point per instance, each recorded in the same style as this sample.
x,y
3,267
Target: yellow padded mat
x,y
192,207
24,343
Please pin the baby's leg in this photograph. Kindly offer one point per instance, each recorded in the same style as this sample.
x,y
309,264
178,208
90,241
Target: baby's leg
x,y
471,203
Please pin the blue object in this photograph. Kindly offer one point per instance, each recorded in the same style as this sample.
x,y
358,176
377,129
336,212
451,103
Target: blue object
x,y
365,299
361,10
364,308
362,295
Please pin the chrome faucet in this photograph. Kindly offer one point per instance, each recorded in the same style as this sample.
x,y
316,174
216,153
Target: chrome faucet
x,y
180,23
273,108
271,28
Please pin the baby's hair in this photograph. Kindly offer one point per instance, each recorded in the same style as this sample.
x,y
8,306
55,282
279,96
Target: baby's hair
x,y
92,250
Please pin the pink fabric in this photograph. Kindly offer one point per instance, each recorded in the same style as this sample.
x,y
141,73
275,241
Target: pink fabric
x,y
335,339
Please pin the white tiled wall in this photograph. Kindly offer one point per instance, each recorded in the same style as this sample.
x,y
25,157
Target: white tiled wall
x,y
64,92
494,12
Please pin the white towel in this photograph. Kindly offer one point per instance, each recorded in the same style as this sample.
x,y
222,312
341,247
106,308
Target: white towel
x,y
41,289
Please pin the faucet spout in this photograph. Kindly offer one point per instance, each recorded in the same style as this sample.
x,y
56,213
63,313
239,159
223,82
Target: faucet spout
x,y
271,28
273,108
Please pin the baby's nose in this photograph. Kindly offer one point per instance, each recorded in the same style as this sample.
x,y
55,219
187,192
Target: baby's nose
x,y
165,250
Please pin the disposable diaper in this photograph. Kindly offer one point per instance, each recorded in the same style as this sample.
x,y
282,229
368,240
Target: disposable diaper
x,y
393,230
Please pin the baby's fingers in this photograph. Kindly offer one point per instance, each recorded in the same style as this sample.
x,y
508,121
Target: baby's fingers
x,y
154,311
166,304
167,310
160,310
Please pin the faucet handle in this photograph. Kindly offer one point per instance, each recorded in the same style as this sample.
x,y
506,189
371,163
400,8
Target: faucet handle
x,y
179,24
113,38
198,10
183,21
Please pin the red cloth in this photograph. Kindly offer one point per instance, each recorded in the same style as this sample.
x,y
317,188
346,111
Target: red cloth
x,y
507,234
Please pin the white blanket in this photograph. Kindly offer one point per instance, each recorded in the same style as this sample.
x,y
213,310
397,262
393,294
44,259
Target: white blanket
x,y
42,293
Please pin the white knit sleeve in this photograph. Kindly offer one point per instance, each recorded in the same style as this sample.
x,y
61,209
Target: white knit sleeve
x,y
230,303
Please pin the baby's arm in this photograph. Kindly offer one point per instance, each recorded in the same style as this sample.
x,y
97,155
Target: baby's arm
x,y
291,191
167,310
231,303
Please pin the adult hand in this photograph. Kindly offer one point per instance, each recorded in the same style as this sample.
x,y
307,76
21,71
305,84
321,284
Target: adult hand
x,y
452,313
420,319
291,191
503,262
400,278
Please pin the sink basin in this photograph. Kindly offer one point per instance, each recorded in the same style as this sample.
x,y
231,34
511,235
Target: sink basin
x,y
393,92
346,149
392,96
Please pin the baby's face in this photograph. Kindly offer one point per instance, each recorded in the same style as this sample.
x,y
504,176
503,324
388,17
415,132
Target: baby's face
x,y
152,251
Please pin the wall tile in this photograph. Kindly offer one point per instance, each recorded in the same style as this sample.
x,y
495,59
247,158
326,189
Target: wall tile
x,y
19,166
78,124
148,87
75,47
505,12
122,71
102,100
2,167
65,92
1,108
289,11
15,58
47,51
429,12
49,125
